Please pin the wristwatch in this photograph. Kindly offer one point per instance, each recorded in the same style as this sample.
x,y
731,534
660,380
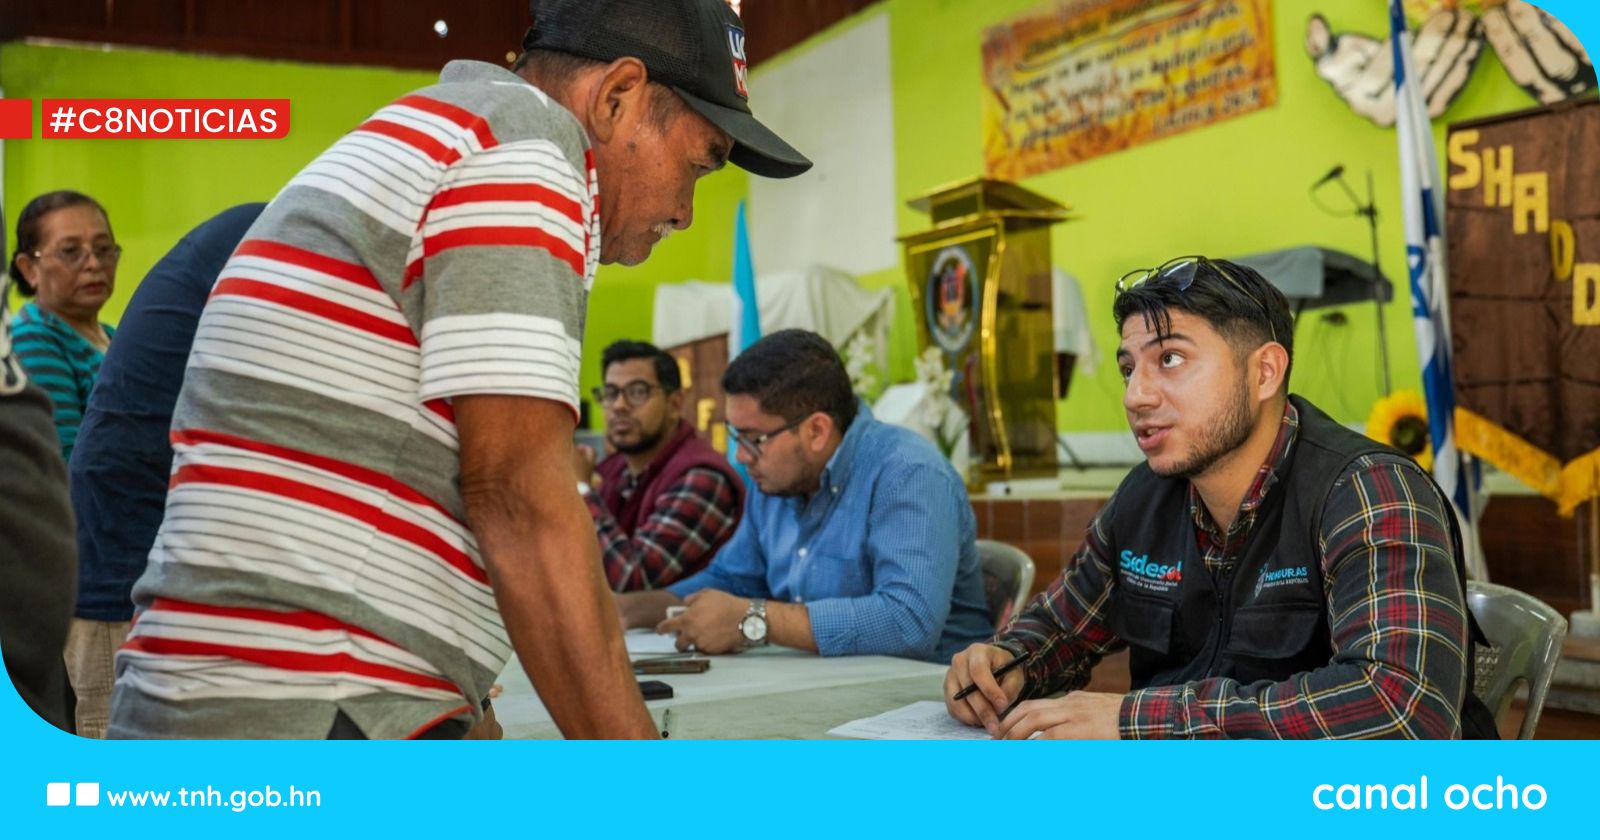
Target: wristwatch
x,y
754,624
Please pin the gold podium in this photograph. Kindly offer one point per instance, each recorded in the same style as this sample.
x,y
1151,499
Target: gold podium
x,y
980,279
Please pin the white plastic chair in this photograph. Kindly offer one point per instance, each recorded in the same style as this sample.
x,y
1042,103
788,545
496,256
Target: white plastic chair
x,y
1007,579
1525,636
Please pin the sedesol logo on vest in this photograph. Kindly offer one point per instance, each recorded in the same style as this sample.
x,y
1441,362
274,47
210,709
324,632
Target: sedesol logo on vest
x,y
1138,571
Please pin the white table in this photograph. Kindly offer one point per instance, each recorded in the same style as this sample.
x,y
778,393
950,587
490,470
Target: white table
x,y
768,692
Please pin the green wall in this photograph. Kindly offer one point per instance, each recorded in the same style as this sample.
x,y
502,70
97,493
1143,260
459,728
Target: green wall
x,y
156,190
1230,188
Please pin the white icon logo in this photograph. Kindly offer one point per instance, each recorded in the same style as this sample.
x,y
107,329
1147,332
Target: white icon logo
x,y
58,794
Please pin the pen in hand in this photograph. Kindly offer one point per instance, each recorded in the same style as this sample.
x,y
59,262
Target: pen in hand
x,y
997,674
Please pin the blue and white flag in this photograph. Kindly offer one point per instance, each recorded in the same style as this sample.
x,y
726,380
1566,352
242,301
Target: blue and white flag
x,y
1423,209
745,328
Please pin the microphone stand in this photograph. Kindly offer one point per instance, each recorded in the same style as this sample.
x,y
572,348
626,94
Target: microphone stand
x,y
1370,211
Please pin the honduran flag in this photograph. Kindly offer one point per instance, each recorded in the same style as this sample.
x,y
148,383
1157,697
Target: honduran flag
x,y
746,323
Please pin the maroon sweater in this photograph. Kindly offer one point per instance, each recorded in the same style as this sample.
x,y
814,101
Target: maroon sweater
x,y
684,451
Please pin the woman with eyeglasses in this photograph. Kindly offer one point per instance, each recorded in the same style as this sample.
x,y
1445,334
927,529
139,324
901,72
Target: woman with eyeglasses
x,y
66,260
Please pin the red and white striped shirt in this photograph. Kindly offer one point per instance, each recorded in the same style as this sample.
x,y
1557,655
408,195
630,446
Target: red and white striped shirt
x,y
314,557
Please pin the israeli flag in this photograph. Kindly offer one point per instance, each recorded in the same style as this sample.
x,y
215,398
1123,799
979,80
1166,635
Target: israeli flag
x,y
1422,205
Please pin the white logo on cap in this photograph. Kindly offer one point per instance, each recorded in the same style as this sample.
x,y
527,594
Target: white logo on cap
x,y
740,69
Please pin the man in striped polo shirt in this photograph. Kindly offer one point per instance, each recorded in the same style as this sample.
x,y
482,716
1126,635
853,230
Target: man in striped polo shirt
x,y
371,502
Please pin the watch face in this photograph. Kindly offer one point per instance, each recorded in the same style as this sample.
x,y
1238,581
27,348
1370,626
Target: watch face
x,y
754,627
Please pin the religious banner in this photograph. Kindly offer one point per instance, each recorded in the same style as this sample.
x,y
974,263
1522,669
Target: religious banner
x,y
1078,79
1523,211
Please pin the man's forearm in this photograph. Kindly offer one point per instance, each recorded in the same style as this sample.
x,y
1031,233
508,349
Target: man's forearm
x,y
545,569
1066,629
790,625
1350,700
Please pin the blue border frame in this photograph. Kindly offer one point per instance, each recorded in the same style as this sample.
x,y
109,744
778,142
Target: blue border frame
x,y
756,790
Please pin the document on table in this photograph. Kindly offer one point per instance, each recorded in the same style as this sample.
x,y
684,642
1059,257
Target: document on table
x,y
646,642
924,720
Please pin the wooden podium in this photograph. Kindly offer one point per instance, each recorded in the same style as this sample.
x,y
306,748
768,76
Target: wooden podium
x,y
980,281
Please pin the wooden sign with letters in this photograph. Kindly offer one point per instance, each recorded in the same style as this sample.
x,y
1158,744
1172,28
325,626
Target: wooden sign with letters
x,y
1523,221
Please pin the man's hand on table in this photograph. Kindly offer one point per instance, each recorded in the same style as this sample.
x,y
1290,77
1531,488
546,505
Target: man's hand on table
x,y
1081,715
644,609
977,664
711,622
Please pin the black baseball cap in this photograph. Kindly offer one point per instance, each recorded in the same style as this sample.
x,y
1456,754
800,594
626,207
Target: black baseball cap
x,y
695,47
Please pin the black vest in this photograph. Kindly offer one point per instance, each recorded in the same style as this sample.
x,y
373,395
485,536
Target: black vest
x,y
1267,618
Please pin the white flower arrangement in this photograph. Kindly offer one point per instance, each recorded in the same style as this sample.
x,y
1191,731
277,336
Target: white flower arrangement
x,y
859,355
940,414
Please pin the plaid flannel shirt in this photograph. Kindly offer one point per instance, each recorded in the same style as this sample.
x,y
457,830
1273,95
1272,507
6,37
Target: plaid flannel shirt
x,y
1399,632
694,514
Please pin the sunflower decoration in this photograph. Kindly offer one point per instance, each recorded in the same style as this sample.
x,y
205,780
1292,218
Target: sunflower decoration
x,y
1401,421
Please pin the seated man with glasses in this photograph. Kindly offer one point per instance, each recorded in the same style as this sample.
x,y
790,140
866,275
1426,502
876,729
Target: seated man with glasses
x,y
858,539
664,501
1272,573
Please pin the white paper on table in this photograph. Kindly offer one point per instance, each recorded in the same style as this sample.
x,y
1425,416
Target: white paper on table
x,y
648,642
924,720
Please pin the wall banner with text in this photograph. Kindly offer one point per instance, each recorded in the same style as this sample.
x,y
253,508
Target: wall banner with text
x,y
1523,215
1075,80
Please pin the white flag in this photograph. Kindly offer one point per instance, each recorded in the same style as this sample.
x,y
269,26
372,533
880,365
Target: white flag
x,y
1422,206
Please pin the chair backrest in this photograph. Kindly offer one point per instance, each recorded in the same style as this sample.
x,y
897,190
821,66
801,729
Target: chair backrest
x,y
1525,637
1007,579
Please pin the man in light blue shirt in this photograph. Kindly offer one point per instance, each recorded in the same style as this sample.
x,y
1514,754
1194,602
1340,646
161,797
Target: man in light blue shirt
x,y
858,539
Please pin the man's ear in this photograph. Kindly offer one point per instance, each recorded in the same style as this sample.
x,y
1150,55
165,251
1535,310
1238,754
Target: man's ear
x,y
618,98
821,426
1272,366
675,402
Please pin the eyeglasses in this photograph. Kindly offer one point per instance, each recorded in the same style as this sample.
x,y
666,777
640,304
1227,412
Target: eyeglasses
x,y
74,256
1181,271
637,393
753,444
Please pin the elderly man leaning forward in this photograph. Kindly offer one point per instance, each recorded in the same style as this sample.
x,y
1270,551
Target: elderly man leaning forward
x,y
858,539
1272,573
371,503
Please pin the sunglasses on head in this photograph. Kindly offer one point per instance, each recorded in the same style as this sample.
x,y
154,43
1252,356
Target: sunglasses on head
x,y
1181,272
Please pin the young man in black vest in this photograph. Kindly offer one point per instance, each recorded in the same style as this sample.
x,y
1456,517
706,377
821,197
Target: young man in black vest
x,y
1273,574
664,501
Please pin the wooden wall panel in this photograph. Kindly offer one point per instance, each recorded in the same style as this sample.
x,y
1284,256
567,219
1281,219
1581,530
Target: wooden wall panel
x,y
395,33
1528,547
151,18
772,26
296,23
63,14
484,31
